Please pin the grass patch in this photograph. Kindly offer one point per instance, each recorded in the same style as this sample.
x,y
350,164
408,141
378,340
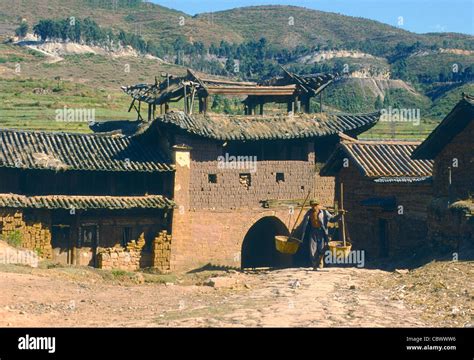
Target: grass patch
x,y
14,238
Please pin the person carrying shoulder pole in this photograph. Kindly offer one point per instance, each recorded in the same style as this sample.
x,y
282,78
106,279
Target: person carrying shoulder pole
x,y
316,231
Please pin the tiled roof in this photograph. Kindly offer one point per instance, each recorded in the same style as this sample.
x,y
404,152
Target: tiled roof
x,y
69,151
380,159
268,127
85,202
455,122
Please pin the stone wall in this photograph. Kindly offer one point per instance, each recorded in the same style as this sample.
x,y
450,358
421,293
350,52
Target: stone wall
x,y
34,229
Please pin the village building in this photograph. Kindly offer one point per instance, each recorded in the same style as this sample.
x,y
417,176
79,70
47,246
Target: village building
x,y
176,190
451,147
385,193
240,179
66,195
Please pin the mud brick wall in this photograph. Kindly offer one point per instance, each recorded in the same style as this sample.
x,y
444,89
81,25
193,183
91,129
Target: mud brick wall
x,y
460,148
216,236
407,232
212,219
161,252
231,192
128,259
450,230
34,229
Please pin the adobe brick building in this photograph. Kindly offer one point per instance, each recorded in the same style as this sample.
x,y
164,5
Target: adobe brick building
x,y
451,146
69,195
228,212
386,194
175,190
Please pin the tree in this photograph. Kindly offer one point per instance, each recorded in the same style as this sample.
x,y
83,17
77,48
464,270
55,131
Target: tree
x,y
386,101
378,103
22,30
229,65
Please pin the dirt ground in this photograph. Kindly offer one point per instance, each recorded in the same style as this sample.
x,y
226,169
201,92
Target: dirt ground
x,y
437,294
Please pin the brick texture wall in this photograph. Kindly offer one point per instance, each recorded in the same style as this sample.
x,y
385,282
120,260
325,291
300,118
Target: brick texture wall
x,y
212,219
407,232
461,149
230,193
34,229
449,230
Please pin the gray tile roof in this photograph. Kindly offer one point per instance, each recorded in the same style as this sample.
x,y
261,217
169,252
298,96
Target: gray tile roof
x,y
70,151
380,159
85,202
268,127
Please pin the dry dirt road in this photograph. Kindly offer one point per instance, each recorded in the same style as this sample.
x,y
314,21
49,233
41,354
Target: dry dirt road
x,y
333,297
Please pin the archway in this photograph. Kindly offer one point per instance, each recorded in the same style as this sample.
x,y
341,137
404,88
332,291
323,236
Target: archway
x,y
258,247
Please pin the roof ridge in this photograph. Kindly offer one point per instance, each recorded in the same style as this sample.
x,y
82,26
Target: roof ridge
x,y
385,142
46,132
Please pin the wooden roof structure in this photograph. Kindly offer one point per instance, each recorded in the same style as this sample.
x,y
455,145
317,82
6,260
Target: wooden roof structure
x,y
383,161
53,202
86,152
455,122
288,88
253,128
172,89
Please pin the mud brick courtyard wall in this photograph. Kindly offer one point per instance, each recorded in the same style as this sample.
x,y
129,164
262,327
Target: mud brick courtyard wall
x,y
134,256
32,228
217,207
448,229
458,152
406,232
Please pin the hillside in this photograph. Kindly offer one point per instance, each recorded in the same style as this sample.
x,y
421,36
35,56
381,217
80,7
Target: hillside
x,y
311,27
149,20
290,26
427,72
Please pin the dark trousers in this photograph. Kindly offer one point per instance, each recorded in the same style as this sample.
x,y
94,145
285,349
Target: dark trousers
x,y
318,242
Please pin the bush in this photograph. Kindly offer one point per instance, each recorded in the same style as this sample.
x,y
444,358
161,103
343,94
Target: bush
x,y
14,238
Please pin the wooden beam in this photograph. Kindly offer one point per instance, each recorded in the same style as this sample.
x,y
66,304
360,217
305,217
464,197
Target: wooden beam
x,y
185,100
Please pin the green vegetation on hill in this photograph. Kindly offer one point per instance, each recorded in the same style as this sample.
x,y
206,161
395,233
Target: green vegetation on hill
x,y
248,43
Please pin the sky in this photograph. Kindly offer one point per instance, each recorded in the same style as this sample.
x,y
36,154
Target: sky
x,y
420,16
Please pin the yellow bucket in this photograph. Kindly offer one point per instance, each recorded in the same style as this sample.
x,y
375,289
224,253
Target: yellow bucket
x,y
338,249
287,245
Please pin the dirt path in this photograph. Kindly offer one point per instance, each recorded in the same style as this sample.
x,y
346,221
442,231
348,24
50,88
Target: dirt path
x,y
289,297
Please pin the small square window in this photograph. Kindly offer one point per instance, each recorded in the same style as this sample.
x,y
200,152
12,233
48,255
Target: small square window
x,y
280,177
212,178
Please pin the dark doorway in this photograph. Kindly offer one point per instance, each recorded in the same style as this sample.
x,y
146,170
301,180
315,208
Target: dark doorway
x,y
258,247
61,244
383,238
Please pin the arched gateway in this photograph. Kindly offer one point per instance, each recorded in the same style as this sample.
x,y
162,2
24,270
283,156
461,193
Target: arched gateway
x,y
258,247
